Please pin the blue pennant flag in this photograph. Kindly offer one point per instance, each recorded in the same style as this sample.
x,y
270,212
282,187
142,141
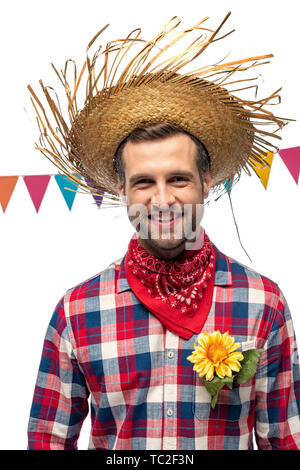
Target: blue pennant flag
x,y
228,184
64,182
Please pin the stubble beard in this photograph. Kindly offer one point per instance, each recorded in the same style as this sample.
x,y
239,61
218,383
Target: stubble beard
x,y
169,243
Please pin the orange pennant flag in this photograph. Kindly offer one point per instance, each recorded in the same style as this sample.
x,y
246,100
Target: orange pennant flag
x,y
264,173
7,186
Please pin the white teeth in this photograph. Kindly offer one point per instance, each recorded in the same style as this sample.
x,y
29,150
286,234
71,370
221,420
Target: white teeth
x,y
164,218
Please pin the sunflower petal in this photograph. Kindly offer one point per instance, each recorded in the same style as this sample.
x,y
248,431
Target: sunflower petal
x,y
234,365
204,340
210,373
233,347
238,356
217,337
220,371
228,370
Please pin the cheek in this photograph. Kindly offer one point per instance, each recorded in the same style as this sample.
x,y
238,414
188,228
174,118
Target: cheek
x,y
138,197
189,195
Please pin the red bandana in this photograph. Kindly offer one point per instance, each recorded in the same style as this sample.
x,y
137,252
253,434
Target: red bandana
x,y
178,292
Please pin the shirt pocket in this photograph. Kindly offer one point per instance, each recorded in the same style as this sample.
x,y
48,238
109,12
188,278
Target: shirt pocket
x,y
232,404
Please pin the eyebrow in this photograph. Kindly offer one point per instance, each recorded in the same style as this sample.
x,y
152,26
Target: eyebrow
x,y
187,174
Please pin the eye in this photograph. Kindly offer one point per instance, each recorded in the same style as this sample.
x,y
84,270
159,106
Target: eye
x,y
179,179
143,181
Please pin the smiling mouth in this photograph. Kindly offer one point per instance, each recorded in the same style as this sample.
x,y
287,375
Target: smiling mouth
x,y
164,218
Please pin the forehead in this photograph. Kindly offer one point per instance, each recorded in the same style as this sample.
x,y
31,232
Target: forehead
x,y
178,150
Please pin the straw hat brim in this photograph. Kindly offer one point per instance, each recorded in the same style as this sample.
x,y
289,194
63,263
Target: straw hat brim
x,y
233,130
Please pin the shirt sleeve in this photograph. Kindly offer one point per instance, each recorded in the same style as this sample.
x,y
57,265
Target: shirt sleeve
x,y
60,400
277,413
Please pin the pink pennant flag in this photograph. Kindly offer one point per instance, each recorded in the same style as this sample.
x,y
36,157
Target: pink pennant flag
x,y
291,158
37,185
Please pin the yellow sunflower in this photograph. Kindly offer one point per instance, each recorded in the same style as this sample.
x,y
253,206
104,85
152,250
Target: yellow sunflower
x,y
216,353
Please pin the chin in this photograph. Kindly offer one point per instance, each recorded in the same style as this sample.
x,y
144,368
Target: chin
x,y
166,247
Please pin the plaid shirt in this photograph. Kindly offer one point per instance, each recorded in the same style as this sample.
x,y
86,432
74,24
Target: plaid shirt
x,y
104,344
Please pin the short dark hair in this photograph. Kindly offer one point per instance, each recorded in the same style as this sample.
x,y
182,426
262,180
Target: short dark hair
x,y
155,132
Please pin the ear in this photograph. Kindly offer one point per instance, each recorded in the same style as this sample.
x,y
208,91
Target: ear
x,y
207,182
121,189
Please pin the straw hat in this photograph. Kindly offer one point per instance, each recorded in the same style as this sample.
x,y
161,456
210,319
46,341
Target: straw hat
x,y
148,90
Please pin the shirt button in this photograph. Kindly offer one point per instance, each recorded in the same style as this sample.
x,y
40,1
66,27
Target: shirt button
x,y
170,354
169,412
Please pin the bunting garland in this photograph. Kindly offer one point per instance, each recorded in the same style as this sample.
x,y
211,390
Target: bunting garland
x,y
289,156
37,184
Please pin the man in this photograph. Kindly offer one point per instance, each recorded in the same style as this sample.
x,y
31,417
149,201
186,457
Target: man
x,y
125,337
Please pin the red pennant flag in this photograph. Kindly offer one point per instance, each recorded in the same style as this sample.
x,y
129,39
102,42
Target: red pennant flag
x,y
291,158
7,186
37,185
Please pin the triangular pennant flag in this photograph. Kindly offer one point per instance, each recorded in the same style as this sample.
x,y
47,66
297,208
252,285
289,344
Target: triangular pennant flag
x,y
97,197
264,173
64,183
37,185
291,158
7,186
228,184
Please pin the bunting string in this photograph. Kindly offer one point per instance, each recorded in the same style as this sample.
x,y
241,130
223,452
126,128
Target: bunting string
x,y
38,184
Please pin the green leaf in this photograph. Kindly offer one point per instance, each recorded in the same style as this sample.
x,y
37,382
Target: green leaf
x,y
215,385
249,365
214,400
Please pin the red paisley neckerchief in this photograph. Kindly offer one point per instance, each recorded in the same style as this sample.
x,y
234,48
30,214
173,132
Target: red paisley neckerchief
x,y
178,292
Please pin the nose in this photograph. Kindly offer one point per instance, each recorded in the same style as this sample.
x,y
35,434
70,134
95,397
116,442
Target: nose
x,y
162,197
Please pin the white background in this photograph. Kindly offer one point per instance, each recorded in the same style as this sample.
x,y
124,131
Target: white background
x,y
44,254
